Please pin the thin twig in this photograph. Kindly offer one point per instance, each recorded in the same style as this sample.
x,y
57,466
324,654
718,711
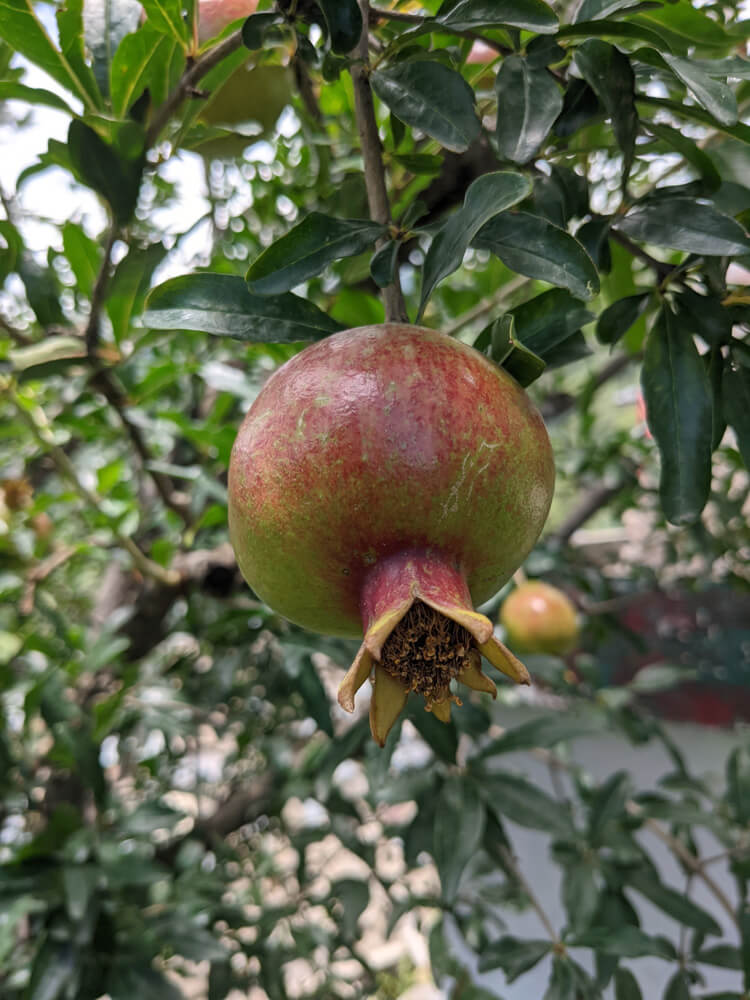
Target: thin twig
x,y
512,864
189,80
99,294
494,301
661,269
39,426
40,572
377,194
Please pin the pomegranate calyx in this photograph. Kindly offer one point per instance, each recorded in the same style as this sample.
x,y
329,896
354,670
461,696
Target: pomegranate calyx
x,y
421,632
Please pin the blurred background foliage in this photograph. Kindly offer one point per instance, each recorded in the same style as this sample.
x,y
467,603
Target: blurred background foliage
x,y
184,810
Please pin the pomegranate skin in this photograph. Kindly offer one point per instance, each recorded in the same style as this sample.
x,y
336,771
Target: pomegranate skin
x,y
378,440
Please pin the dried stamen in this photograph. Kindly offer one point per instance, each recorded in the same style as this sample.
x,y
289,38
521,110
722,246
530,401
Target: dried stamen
x,y
426,650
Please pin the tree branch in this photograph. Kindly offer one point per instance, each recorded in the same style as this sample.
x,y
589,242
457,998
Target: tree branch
x,y
186,87
593,501
512,865
377,194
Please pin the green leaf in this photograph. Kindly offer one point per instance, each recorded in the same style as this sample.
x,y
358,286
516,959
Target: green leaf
x,y
459,825
658,677
544,732
580,895
676,904
311,688
562,984
735,391
513,955
528,102
618,318
625,942
419,163
166,17
24,32
128,979
383,263
307,249
499,342
738,785
508,795
610,75
485,197
409,89
530,245
142,61
682,25
83,256
116,178
592,10
354,895
614,29
344,23
608,805
12,91
41,291
715,369
679,408
715,96
70,33
549,319
678,987
440,737
626,985
472,15
220,304
725,956
129,285
688,149
53,970
79,885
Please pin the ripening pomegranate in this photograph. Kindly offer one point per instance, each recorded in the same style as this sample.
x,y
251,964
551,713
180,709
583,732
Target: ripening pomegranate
x,y
539,618
384,479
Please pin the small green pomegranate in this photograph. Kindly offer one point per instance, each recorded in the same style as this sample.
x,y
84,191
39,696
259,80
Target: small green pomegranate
x,y
539,618
385,480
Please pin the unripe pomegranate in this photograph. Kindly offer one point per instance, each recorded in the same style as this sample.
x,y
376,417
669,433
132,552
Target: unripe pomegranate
x,y
384,479
253,92
539,618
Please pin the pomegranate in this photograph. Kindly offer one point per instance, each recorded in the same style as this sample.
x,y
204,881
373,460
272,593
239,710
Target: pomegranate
x,y
539,618
384,479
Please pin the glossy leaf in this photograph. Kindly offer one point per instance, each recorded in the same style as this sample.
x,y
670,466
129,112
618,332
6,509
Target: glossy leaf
x,y
610,75
678,403
532,246
499,342
344,23
307,249
592,10
715,96
514,956
220,304
517,799
676,904
736,401
472,15
549,319
528,102
459,825
105,24
618,318
614,29
143,60
10,90
683,25
383,263
83,255
485,197
409,89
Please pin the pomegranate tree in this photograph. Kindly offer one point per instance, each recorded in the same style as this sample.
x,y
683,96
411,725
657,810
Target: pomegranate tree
x,y
385,480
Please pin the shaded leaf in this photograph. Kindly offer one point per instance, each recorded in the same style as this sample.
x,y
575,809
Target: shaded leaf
x,y
626,985
580,895
115,177
307,249
383,263
618,318
688,149
738,784
354,895
528,102
625,942
676,904
459,826
544,322
409,89
735,389
591,10
725,956
344,23
609,73
679,411
544,732
530,245
678,987
562,984
485,197
499,342
508,795
608,805
513,955
220,304
53,970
